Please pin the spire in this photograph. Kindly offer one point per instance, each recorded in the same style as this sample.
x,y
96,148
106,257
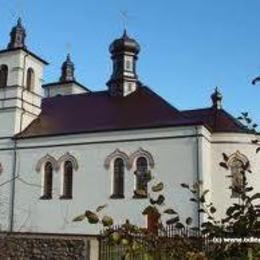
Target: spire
x,y
17,36
124,53
125,36
216,99
67,70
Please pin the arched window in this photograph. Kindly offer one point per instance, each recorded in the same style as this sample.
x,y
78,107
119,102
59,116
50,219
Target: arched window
x,y
142,178
3,76
118,179
30,79
236,167
47,181
67,180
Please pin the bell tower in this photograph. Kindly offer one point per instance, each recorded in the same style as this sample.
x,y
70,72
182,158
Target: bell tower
x,y
21,78
67,85
124,53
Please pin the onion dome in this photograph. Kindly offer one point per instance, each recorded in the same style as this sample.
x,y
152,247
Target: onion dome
x,y
67,70
124,44
17,36
217,99
124,79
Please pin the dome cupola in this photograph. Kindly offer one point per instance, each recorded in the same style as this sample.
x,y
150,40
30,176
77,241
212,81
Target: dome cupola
x,y
124,44
67,70
17,36
216,98
124,54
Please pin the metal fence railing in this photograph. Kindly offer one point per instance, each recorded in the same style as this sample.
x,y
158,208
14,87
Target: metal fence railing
x,y
163,240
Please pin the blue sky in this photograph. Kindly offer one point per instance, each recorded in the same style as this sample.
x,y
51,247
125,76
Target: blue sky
x,y
188,47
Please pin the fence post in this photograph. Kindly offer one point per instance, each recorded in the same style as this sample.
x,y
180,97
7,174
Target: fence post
x,y
250,254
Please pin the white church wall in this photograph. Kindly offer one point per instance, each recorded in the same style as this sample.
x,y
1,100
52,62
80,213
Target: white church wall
x,y
38,67
64,89
9,93
107,136
8,117
230,144
6,166
16,101
16,62
204,166
173,151
13,60
15,120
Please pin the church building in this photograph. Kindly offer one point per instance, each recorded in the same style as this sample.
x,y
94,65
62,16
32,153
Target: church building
x,y
65,148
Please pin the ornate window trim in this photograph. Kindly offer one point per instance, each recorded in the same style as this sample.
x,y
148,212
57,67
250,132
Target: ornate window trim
x,y
68,157
44,160
239,156
141,153
61,165
114,155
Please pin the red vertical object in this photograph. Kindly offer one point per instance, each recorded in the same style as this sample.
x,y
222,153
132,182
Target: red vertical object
x,y
153,222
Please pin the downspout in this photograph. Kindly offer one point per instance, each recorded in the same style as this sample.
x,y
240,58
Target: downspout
x,y
11,213
23,89
13,181
198,172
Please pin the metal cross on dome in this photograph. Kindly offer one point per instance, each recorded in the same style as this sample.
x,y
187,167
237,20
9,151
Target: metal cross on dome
x,y
18,9
68,47
125,18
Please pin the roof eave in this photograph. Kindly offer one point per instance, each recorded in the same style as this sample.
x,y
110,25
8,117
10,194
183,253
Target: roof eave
x,y
27,51
19,136
64,83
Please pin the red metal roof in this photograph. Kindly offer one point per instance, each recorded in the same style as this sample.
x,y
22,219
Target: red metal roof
x,y
98,111
218,120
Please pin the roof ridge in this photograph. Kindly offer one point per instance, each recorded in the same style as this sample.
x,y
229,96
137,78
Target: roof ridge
x,y
234,119
160,98
196,109
90,93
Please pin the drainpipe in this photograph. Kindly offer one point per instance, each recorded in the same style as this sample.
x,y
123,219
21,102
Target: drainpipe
x,y
23,89
198,171
13,182
11,212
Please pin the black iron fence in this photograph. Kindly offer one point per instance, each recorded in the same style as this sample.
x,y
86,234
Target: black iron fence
x,y
160,246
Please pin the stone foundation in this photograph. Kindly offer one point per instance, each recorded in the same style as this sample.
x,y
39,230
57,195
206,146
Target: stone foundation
x,y
28,246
